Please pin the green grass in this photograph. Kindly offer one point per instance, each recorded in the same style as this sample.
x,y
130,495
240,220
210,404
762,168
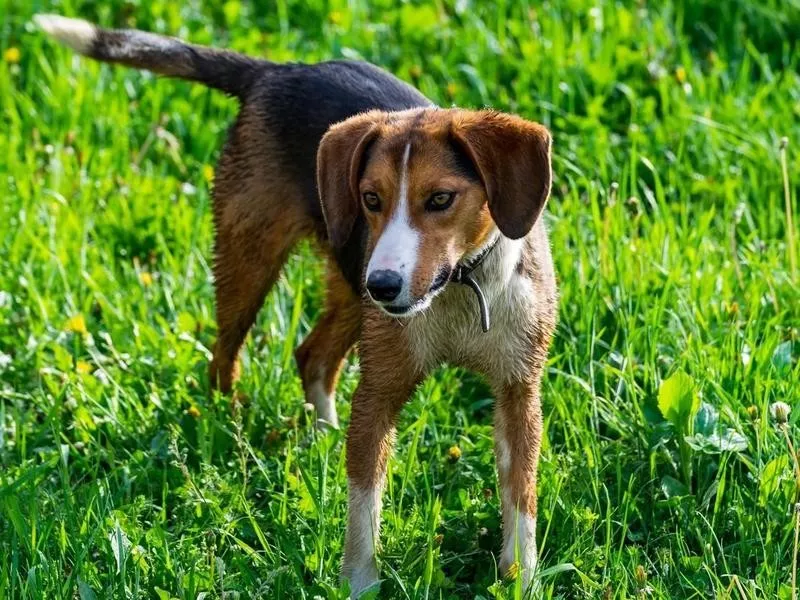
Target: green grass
x,y
121,477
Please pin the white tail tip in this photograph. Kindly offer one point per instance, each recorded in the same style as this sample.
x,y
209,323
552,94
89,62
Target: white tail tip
x,y
75,33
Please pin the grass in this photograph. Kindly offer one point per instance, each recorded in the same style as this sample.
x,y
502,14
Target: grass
x,y
663,473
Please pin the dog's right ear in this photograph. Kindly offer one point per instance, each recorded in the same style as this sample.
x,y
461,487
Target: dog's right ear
x,y
340,161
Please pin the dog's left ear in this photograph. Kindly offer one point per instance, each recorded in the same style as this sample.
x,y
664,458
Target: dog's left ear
x,y
340,159
512,158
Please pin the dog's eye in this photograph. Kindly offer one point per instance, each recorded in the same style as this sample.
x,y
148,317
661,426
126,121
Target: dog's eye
x,y
371,201
440,201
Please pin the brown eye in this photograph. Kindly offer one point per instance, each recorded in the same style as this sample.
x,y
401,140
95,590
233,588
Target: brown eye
x,y
440,201
371,201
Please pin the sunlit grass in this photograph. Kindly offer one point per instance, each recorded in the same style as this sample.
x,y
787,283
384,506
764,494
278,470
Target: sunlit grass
x,y
120,476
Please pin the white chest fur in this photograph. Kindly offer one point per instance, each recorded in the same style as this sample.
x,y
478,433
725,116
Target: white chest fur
x,y
450,329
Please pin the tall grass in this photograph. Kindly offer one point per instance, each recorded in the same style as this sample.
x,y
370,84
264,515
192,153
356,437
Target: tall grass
x,y
670,221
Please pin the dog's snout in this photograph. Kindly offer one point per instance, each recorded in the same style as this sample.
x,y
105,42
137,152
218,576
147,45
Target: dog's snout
x,y
384,285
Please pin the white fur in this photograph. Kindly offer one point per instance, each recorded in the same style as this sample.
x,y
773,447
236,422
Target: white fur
x,y
398,245
450,330
519,543
503,453
519,529
363,527
324,404
75,33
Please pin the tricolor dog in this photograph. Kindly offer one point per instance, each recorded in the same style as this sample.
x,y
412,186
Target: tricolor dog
x,y
430,219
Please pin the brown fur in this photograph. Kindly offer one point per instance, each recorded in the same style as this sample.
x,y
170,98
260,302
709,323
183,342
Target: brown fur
x,y
508,189
322,353
460,151
266,200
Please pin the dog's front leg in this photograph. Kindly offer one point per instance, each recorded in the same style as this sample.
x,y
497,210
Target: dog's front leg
x,y
385,386
518,433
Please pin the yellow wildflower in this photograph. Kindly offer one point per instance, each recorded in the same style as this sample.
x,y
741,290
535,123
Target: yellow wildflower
x,y
454,453
193,412
83,367
12,55
146,278
513,571
208,173
76,324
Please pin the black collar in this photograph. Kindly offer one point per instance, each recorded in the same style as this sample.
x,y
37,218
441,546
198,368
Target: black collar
x,y
463,274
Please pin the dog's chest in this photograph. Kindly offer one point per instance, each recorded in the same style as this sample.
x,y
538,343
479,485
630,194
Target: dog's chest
x,y
450,330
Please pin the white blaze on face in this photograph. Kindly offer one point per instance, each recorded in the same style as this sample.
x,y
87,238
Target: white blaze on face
x,y
397,247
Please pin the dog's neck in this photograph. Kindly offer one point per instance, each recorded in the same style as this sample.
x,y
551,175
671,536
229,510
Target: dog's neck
x,y
499,265
466,273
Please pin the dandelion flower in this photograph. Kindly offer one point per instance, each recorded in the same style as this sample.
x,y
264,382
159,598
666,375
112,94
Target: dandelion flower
x,y
76,324
513,571
12,55
83,367
146,278
454,453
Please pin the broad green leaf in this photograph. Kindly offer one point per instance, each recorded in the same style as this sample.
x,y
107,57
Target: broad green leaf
x,y
673,488
85,592
782,357
120,545
186,323
706,420
728,440
774,472
162,594
678,400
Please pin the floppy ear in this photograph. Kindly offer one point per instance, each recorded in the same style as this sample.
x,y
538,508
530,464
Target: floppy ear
x,y
340,159
512,158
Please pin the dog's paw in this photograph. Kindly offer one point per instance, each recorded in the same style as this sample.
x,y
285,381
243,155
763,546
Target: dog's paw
x,y
364,583
513,571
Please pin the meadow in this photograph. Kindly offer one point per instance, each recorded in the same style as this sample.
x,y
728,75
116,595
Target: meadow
x,y
666,470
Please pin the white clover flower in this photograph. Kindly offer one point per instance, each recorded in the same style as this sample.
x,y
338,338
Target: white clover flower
x,y
780,412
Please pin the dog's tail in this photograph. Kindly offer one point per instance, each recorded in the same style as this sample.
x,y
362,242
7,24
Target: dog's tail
x,y
227,71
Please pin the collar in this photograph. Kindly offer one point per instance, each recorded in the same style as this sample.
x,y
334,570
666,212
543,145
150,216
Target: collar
x,y
463,274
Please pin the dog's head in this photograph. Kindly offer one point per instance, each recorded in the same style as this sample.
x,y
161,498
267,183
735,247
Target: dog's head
x,y
435,186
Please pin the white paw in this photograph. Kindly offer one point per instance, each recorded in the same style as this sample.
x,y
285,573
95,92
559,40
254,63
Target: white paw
x,y
362,580
520,558
325,406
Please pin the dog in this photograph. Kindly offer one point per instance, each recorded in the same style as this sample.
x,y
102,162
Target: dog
x,y
430,222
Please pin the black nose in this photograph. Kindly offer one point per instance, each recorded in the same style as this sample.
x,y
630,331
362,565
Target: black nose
x,y
384,285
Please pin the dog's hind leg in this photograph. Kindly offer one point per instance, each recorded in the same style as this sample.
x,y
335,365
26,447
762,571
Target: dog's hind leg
x,y
256,229
321,355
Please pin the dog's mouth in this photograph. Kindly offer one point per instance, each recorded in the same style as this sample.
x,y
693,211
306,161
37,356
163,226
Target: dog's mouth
x,y
407,310
441,279
397,311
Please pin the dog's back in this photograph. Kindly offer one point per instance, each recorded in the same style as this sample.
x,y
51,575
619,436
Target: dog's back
x,y
286,109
